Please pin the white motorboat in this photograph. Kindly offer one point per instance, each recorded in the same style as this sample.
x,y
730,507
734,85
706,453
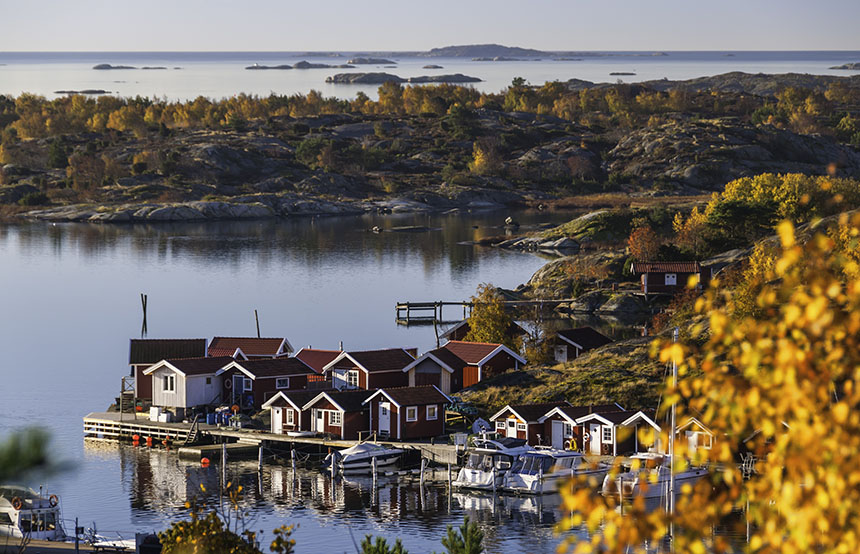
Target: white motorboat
x,y
359,458
27,513
540,471
488,463
651,480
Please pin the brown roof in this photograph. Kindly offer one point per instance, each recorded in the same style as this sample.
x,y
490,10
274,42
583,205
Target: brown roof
x,y
416,396
200,366
533,412
250,346
575,412
149,351
276,367
298,397
350,401
470,352
615,416
317,359
666,267
513,330
586,337
382,360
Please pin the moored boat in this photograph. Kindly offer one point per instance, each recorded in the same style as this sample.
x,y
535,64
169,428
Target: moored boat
x,y
27,513
540,471
651,480
488,462
359,458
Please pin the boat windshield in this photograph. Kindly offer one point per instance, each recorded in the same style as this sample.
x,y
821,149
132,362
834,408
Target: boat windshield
x,y
484,462
566,462
38,522
532,465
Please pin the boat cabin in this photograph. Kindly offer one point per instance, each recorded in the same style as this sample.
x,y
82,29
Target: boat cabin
x,y
341,414
142,353
249,383
369,369
250,347
25,514
182,384
614,433
406,413
287,413
560,429
457,365
522,421
569,344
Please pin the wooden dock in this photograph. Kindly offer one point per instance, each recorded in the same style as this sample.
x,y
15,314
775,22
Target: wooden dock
x,y
121,427
411,313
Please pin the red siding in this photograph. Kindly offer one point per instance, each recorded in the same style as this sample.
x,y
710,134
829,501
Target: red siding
x,y
387,379
143,382
547,431
420,429
470,376
498,364
352,422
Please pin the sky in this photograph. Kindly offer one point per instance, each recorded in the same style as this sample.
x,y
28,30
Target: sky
x,y
397,25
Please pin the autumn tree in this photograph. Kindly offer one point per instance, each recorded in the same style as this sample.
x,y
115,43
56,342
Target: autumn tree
x,y
485,158
778,388
489,322
644,244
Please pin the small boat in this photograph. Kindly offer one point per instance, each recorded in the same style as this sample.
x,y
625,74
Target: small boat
x,y
488,463
27,513
300,433
652,479
359,458
540,471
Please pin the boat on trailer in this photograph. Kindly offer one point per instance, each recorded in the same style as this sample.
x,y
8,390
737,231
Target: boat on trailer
x,y
651,480
25,513
359,458
540,471
488,462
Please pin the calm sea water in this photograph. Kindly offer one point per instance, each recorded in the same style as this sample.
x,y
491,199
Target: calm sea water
x,y
69,298
222,74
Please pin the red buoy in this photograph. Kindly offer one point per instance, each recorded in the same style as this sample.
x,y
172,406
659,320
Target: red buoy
x,y
204,462
149,441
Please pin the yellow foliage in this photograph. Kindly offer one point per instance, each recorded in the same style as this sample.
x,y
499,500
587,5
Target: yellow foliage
x,y
778,384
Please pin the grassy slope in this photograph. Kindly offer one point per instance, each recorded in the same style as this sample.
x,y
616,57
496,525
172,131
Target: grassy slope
x,y
622,372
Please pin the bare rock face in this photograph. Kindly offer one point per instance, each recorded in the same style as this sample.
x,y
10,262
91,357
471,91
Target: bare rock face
x,y
708,154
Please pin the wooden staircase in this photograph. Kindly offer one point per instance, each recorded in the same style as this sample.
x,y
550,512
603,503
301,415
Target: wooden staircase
x,y
192,433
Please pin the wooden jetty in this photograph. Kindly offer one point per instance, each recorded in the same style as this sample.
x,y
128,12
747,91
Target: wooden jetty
x,y
122,427
410,313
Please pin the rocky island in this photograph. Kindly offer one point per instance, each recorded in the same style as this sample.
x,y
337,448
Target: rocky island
x,y
854,66
380,78
370,61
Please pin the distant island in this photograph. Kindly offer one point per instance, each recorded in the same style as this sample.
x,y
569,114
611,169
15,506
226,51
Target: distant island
x,y
370,61
855,66
504,59
85,91
432,66
104,66
380,78
484,51
301,65
622,73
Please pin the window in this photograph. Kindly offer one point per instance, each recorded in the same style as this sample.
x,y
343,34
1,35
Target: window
x,y
432,412
568,430
291,417
411,413
607,434
671,279
282,383
521,426
246,384
500,425
209,380
352,379
169,383
334,418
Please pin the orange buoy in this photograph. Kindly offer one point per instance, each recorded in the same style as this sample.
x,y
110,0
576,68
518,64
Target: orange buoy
x,y
204,462
149,441
235,408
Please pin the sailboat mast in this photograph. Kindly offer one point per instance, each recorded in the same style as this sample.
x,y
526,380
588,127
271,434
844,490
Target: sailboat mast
x,y
672,434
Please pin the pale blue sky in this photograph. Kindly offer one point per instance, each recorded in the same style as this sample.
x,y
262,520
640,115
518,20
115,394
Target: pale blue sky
x,y
285,25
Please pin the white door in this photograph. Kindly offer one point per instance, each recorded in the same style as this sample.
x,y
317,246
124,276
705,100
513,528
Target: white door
x,y
277,421
692,442
558,434
385,417
512,428
561,354
320,421
594,438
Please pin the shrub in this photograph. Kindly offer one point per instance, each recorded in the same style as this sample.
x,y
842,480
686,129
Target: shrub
x,y
33,199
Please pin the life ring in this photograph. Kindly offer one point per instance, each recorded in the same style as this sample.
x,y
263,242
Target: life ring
x,y
53,500
586,437
228,384
17,503
571,444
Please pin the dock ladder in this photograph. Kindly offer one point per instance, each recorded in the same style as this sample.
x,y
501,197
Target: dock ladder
x,y
192,433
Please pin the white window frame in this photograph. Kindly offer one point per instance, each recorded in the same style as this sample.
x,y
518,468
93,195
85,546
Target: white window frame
x,y
290,416
414,411
352,379
279,383
169,383
567,430
603,431
435,412
334,418
501,424
521,427
670,279
247,384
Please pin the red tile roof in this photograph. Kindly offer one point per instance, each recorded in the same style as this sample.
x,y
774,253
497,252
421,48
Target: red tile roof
x,y
317,359
275,367
200,366
250,346
388,359
469,352
666,267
